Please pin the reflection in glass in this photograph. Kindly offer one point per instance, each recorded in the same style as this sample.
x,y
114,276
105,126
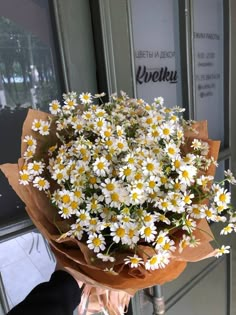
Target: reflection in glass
x,y
28,79
27,74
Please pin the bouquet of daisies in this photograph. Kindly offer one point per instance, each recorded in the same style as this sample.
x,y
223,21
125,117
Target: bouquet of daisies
x,y
122,190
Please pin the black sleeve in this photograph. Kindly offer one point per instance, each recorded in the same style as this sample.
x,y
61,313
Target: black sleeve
x,y
59,296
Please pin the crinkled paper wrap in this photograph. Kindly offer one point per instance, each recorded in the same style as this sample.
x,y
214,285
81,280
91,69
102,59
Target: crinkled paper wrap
x,y
104,289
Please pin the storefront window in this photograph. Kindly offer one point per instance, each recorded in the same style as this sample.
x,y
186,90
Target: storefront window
x,y
208,55
156,47
28,79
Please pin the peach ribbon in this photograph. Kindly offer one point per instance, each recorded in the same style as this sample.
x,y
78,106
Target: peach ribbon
x,y
110,302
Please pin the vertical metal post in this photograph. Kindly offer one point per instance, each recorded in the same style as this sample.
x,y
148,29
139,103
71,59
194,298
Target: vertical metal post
x,y
3,297
158,301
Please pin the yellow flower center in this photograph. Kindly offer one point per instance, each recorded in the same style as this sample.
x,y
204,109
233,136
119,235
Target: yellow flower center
x,y
185,174
54,106
77,193
93,221
37,124
134,260
100,165
97,242
82,216
160,240
127,171
42,182
171,151
152,184
120,145
139,185
92,180
208,213
163,180
100,123
138,176
120,232
177,164
110,187
147,231
30,142
114,197
166,131
74,205
70,103
107,133
66,199
45,128
153,260
36,167
196,211
147,218
187,199
134,196
222,197
131,233
166,246
150,167
149,120
25,176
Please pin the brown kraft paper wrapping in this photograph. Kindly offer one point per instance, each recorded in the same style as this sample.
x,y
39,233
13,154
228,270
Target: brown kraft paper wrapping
x,y
75,255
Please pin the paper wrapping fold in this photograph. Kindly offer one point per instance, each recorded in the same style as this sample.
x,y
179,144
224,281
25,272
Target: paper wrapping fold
x,y
75,255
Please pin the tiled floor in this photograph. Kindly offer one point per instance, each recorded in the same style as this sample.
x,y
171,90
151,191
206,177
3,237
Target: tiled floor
x,y
24,262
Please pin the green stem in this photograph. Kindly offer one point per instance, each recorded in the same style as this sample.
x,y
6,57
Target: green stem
x,y
107,252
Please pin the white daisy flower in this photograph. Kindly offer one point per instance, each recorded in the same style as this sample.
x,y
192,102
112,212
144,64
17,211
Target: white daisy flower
x,y
101,167
148,233
55,107
166,130
126,172
106,257
77,230
159,100
161,239
85,98
36,124
227,229
222,250
96,242
25,177
60,175
131,234
36,168
150,167
169,246
196,144
187,174
29,153
30,141
44,128
197,211
117,232
83,217
136,197
65,211
41,183
109,186
189,224
153,263
222,197
134,261
172,149
185,241
230,177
